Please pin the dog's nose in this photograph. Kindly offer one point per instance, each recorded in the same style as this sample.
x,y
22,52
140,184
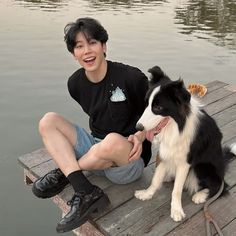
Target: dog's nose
x,y
139,127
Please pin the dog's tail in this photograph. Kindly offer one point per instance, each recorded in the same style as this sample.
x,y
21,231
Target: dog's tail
x,y
229,152
158,76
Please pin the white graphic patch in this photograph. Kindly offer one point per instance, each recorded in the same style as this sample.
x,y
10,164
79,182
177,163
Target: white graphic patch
x,y
117,95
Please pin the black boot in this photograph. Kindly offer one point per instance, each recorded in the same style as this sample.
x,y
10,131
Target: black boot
x,y
82,205
50,184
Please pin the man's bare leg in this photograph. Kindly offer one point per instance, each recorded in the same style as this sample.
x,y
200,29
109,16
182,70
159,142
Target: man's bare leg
x,y
112,151
59,137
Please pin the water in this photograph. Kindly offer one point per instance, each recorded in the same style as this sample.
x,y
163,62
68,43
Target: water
x,y
194,39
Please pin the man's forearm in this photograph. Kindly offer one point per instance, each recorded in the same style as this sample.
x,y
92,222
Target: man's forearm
x,y
141,135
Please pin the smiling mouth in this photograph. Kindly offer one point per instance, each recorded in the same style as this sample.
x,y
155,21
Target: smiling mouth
x,y
90,60
151,133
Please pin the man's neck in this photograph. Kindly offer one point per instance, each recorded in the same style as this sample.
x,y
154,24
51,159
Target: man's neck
x,y
98,75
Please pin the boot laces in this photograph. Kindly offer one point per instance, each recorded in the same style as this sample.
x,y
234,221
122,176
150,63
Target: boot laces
x,y
76,198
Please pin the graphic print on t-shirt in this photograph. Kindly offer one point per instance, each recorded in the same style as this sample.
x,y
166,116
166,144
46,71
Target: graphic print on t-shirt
x,y
117,95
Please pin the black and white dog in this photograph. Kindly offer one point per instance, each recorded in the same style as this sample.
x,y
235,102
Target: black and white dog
x,y
189,143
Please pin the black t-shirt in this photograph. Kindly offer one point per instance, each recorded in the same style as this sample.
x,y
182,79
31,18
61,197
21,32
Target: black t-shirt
x,y
113,104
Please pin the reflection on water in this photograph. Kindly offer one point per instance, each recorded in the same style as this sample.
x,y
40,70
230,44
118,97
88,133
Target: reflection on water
x,y
121,5
214,20
45,5
101,5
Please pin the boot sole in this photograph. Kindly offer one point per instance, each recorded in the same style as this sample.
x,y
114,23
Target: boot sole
x,y
39,194
101,204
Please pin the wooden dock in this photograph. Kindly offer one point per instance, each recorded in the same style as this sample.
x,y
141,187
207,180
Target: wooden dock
x,y
130,216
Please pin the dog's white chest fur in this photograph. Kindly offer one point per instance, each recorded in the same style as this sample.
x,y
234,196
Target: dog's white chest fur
x,y
175,145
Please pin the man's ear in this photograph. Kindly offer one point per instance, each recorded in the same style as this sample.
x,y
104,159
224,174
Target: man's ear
x,y
104,46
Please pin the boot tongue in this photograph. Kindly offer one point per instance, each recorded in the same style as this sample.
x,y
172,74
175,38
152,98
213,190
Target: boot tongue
x,y
151,133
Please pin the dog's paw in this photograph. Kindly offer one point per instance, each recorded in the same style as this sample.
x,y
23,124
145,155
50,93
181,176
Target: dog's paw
x,y
201,196
143,194
177,214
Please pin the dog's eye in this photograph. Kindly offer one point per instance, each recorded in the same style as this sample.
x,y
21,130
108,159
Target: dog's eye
x,y
157,109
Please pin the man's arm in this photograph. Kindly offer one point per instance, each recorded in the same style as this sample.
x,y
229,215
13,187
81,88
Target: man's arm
x,y
137,140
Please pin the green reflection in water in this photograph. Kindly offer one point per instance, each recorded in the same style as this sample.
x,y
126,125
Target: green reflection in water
x,y
214,20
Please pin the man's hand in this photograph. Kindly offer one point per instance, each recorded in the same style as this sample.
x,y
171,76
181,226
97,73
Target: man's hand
x,y
137,140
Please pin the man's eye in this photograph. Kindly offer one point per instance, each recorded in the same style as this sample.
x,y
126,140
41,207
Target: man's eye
x,y
78,46
92,42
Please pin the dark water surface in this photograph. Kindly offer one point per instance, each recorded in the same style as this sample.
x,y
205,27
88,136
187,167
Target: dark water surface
x,y
193,39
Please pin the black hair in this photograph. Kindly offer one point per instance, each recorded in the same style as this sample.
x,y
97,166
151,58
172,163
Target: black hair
x,y
91,28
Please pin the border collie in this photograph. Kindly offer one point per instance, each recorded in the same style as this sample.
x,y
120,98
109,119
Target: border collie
x,y
189,143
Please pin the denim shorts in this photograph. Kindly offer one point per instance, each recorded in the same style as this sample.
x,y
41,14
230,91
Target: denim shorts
x,y
118,175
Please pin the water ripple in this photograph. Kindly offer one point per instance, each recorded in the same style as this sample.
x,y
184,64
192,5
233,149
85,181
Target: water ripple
x,y
213,20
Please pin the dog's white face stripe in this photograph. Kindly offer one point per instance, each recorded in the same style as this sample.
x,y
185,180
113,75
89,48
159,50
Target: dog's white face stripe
x,y
149,120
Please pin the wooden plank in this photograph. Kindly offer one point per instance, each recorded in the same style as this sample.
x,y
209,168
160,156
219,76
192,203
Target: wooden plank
x,y
126,191
28,177
224,117
214,85
43,168
157,221
162,225
221,105
230,229
34,158
88,229
215,96
221,210
231,87
133,214
229,131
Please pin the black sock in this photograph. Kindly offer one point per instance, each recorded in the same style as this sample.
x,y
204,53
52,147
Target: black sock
x,y
79,182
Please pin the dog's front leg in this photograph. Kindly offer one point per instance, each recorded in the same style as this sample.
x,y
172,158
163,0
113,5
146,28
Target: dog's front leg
x,y
156,184
177,213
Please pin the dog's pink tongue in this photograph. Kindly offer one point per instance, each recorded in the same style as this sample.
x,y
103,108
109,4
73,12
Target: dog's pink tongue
x,y
150,135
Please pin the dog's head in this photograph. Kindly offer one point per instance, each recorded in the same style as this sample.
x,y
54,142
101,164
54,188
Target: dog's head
x,y
166,101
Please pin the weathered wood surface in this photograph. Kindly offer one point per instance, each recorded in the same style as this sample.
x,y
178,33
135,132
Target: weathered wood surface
x,y
130,216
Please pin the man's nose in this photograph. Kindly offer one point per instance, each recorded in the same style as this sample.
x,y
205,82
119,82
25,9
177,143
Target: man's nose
x,y
87,48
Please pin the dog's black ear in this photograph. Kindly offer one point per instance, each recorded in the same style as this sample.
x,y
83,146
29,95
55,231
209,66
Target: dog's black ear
x,y
181,93
158,76
156,72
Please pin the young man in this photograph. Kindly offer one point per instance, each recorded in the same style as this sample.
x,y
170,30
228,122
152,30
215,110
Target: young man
x,y
112,94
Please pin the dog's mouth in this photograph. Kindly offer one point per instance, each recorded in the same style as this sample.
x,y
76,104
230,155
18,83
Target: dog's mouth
x,y
151,133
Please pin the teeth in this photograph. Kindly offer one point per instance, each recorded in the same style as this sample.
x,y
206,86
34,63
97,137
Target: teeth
x,y
89,59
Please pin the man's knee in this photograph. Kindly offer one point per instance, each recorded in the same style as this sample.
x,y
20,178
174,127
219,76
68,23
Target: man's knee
x,y
112,145
47,122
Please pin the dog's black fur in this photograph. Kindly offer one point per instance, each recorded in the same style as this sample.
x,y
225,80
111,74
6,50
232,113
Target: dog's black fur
x,y
193,129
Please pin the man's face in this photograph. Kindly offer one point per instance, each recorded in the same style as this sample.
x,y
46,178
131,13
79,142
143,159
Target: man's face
x,y
89,53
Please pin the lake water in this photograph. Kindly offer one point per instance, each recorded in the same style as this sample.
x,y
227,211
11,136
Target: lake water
x,y
192,39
